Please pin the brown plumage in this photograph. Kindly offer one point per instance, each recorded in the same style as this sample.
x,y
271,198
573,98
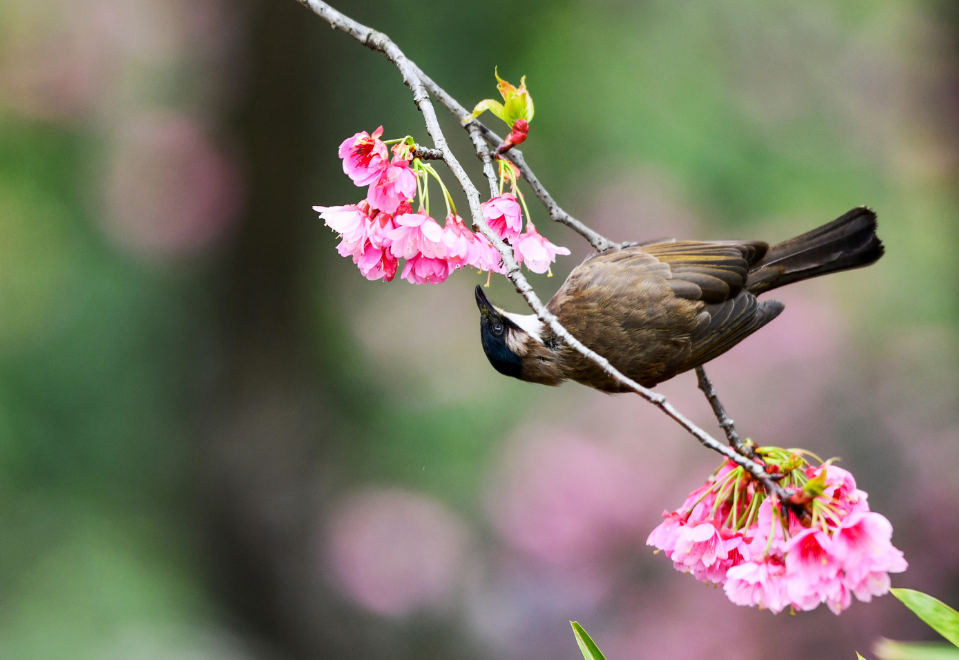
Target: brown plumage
x,y
657,310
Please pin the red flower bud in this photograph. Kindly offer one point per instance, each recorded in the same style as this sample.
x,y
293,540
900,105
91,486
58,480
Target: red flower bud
x,y
517,136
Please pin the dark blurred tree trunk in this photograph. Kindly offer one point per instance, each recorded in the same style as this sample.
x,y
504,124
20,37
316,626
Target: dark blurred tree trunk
x,y
264,414
267,424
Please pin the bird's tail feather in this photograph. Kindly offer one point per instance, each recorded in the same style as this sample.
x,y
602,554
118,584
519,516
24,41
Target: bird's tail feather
x,y
845,243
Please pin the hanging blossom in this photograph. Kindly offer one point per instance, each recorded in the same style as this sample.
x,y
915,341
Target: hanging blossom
x,y
395,185
464,248
418,238
365,235
504,216
365,157
535,251
730,532
382,229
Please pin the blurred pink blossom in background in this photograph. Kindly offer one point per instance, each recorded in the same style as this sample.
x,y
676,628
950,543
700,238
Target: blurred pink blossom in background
x,y
566,499
169,189
69,60
394,551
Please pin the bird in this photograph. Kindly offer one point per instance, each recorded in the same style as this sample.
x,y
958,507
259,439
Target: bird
x,y
658,309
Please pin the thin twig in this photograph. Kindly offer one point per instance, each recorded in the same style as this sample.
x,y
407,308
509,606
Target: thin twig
x,y
727,424
414,78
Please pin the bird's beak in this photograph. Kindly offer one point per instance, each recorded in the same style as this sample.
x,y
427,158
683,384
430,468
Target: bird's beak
x,y
485,306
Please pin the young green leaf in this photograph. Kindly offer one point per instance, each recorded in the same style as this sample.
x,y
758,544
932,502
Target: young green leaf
x,y
859,657
886,649
939,616
586,645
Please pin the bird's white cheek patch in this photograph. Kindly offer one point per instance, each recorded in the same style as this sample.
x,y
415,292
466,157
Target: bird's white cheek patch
x,y
529,323
516,343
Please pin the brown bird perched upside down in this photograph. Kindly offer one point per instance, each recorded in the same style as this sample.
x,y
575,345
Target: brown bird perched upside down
x,y
657,310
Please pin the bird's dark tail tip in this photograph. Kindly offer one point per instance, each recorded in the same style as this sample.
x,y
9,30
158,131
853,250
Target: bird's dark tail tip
x,y
847,242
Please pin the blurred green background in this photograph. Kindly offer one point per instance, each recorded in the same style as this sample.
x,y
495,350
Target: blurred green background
x,y
217,440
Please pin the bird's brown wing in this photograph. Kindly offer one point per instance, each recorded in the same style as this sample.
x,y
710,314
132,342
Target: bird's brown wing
x,y
618,304
717,269
658,310
715,274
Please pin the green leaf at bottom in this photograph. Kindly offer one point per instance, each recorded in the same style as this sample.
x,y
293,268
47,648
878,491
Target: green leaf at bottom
x,y
887,649
586,645
940,617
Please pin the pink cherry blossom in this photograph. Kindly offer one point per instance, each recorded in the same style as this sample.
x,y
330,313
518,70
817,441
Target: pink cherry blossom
x,y
875,583
665,535
698,506
504,216
863,544
426,270
767,532
379,230
841,486
839,599
488,257
812,571
350,222
758,583
395,185
365,238
698,546
535,251
458,240
365,157
734,551
417,234
697,509
376,263
464,248
730,532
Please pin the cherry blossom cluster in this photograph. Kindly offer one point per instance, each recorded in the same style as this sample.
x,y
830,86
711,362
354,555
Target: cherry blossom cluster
x,y
382,229
729,532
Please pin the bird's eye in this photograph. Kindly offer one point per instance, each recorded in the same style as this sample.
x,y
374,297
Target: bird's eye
x,y
497,329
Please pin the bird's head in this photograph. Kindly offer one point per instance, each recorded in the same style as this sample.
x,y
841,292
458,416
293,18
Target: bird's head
x,y
514,343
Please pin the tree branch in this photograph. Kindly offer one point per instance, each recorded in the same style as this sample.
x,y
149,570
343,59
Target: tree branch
x,y
425,153
727,424
416,81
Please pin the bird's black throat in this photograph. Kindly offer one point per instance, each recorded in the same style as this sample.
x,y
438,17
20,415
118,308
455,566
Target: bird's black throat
x,y
503,360
499,354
